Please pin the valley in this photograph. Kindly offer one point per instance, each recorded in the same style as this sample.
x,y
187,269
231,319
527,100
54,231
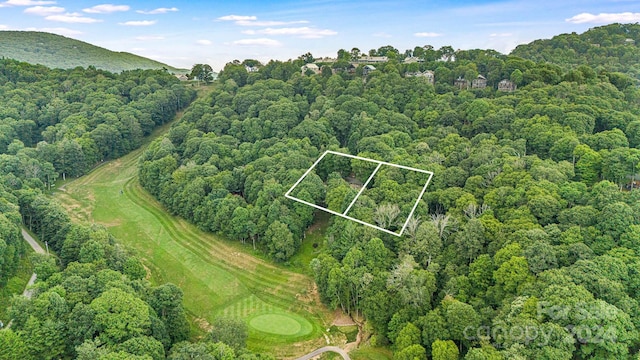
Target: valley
x,y
220,278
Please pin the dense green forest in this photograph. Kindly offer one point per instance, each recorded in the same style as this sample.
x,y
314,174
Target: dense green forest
x,y
612,47
56,51
526,243
91,301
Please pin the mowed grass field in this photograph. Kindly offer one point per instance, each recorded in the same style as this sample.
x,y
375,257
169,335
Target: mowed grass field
x,y
218,277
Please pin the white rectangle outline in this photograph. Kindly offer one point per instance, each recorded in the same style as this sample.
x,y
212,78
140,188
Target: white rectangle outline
x,y
380,163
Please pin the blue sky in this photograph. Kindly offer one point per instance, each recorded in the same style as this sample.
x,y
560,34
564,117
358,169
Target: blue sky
x,y
216,32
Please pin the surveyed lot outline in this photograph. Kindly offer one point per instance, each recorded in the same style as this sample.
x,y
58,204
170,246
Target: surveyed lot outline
x,y
344,214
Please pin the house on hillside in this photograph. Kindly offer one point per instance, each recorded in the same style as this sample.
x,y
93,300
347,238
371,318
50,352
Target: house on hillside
x,y
371,60
461,83
427,75
350,69
326,59
507,86
306,68
367,69
251,69
182,77
412,59
479,83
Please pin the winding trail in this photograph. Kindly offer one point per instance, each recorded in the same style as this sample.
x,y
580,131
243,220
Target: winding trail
x,y
37,248
323,350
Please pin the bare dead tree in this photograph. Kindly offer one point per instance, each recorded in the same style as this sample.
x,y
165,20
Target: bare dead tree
x,y
473,211
386,214
443,223
412,226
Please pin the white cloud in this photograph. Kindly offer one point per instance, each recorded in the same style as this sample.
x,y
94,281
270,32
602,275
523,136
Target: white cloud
x,y
44,10
161,10
72,18
303,32
138,23
257,42
237,18
4,27
56,30
500,35
106,9
427,34
602,18
268,23
27,3
149,37
204,42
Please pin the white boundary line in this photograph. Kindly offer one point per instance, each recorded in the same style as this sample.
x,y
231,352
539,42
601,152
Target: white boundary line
x,y
380,163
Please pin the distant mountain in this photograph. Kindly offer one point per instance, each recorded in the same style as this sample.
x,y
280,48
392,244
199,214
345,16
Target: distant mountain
x,y
614,47
57,51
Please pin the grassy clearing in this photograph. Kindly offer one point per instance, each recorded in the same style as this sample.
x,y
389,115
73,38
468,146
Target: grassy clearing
x,y
15,285
350,331
312,244
218,277
371,353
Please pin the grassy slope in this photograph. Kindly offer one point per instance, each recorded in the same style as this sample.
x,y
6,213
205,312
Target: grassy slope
x,y
218,277
57,51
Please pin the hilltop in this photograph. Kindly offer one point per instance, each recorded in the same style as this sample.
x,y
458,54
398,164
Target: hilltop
x,y
612,47
56,51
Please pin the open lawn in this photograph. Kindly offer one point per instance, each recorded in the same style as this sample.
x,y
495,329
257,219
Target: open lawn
x,y
370,353
218,277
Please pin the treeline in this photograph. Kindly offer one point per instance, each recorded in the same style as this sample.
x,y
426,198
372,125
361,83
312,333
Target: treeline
x,y
526,213
73,119
612,47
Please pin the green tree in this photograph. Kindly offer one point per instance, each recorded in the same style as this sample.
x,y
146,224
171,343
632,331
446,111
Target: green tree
x,y
409,335
120,316
143,345
12,347
202,72
166,300
413,352
444,350
232,332
512,273
280,242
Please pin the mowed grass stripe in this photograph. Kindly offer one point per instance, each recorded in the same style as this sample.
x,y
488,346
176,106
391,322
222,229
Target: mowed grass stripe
x,y
275,275
258,282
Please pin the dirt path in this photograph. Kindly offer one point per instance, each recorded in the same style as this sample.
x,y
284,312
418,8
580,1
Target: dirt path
x,y
323,350
37,248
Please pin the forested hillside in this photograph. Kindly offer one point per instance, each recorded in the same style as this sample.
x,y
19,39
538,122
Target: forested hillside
x,y
92,300
74,119
528,224
56,51
614,48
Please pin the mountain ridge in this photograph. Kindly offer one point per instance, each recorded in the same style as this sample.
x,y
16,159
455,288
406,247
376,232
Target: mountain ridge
x,y
614,47
57,51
